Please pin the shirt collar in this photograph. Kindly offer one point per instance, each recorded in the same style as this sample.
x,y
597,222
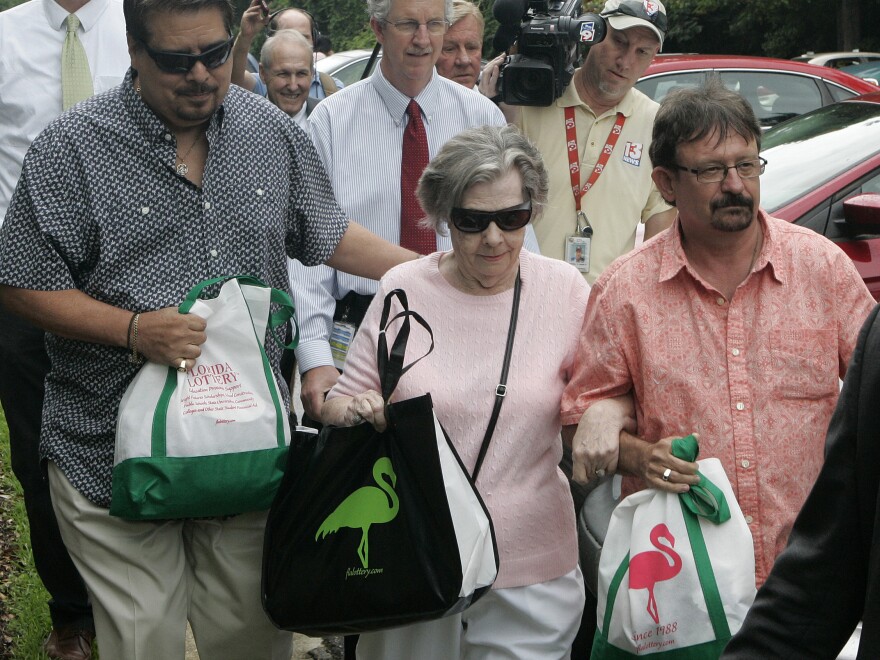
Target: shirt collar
x,y
396,102
150,125
674,259
88,14
571,98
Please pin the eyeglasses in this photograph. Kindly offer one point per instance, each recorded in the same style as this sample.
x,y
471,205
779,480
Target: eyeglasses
x,y
471,221
747,169
184,62
410,27
638,10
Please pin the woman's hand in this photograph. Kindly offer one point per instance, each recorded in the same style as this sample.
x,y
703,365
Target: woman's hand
x,y
597,439
353,410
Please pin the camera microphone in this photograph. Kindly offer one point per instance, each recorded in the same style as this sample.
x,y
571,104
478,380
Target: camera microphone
x,y
509,13
504,37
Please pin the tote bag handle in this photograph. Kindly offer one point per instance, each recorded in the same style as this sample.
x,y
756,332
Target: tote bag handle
x,y
390,363
277,319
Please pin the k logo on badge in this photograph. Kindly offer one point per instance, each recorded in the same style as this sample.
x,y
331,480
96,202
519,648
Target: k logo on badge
x,y
632,153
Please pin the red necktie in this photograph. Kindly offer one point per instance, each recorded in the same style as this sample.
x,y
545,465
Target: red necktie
x,y
414,161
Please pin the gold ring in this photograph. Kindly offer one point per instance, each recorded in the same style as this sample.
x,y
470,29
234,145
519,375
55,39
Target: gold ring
x,y
182,367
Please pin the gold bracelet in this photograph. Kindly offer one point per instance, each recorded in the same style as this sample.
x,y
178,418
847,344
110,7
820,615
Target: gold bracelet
x,y
134,358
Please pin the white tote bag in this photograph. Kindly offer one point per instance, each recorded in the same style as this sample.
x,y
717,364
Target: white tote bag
x,y
677,572
211,441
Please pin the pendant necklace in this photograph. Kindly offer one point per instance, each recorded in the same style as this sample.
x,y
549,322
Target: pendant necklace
x,y
182,168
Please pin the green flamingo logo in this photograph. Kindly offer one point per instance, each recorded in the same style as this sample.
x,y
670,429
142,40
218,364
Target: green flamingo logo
x,y
365,507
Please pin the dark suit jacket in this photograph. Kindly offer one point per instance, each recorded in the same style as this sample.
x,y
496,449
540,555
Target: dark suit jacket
x,y
828,577
311,102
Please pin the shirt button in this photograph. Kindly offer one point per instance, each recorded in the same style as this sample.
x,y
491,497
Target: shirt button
x,y
207,205
720,300
749,520
740,405
260,192
145,210
745,463
168,137
213,253
735,352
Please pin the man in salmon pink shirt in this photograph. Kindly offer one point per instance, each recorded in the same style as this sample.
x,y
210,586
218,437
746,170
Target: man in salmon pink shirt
x,y
733,325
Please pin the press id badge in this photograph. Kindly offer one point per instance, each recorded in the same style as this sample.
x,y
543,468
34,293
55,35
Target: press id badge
x,y
577,251
340,340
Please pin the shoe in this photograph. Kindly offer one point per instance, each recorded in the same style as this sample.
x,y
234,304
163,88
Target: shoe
x,y
69,644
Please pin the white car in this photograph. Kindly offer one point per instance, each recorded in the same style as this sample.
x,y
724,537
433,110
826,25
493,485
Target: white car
x,y
347,66
839,59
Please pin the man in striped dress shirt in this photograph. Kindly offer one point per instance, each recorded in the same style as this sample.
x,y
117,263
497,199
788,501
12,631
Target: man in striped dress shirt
x,y
358,133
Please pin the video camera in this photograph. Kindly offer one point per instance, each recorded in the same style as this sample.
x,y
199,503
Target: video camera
x,y
547,34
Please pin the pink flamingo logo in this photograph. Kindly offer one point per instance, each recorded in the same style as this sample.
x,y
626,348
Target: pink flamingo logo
x,y
648,568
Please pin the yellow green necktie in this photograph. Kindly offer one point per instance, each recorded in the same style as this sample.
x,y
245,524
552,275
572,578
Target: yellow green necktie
x,y
76,78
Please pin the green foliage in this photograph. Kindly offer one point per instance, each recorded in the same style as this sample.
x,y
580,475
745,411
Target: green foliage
x,y
26,598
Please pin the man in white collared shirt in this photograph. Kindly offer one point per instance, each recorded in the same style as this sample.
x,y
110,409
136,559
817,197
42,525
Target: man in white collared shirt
x,y
31,40
358,133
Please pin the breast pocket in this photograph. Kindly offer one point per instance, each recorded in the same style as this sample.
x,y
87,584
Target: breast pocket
x,y
804,362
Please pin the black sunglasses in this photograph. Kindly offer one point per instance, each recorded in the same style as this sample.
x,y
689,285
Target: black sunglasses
x,y
471,221
637,10
184,62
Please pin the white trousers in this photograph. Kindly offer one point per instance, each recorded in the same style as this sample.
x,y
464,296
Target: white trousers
x,y
537,622
146,579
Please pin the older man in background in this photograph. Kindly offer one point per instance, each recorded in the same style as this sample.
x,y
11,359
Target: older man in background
x,y
286,68
462,51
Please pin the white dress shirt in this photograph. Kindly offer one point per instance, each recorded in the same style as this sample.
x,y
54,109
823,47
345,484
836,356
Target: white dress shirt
x,y
31,37
358,133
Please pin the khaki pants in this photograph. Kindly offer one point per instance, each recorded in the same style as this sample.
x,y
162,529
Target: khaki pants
x,y
146,579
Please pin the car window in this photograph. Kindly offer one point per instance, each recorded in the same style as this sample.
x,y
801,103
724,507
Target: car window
x,y
775,96
351,72
657,87
839,93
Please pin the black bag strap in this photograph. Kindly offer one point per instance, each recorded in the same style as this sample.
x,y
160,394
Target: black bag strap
x,y
390,363
501,388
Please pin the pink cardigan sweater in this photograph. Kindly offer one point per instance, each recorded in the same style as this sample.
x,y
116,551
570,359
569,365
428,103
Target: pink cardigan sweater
x,y
520,482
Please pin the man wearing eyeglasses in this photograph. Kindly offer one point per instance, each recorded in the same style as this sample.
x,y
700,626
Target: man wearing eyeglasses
x,y
595,140
253,20
44,44
374,139
124,204
733,325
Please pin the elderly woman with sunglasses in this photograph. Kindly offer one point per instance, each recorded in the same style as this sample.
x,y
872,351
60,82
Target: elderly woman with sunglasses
x,y
485,185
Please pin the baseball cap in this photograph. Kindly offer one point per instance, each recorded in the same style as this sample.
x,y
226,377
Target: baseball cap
x,y
625,14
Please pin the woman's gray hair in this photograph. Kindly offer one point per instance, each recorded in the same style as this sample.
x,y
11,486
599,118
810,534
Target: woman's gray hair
x,y
479,155
379,9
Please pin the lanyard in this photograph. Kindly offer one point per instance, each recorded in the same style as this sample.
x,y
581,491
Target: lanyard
x,y
574,167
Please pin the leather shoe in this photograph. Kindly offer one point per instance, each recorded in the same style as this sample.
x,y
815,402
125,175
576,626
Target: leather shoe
x,y
69,644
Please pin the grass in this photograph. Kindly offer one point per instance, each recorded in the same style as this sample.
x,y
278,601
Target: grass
x,y
25,613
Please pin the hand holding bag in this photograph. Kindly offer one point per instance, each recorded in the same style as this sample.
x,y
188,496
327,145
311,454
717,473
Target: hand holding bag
x,y
211,441
677,572
375,530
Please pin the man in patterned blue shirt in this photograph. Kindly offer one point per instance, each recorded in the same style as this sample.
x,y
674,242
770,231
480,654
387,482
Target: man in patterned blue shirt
x,y
124,204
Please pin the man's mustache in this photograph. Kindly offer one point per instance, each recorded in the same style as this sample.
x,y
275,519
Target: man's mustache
x,y
733,200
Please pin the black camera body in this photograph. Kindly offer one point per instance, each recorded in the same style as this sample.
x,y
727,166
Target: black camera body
x,y
549,33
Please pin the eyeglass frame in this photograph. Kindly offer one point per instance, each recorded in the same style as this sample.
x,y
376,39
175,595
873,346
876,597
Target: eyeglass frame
x,y
488,217
192,58
411,21
658,19
725,169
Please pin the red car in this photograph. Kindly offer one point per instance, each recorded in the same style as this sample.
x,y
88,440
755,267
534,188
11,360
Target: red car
x,y
777,89
823,172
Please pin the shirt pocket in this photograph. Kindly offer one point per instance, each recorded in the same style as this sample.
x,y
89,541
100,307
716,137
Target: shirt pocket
x,y
804,363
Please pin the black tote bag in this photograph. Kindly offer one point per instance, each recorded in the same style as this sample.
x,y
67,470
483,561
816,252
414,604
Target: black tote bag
x,y
376,530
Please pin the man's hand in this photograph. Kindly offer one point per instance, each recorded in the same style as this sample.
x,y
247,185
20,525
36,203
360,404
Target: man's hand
x,y
254,19
166,336
315,385
489,88
653,461
597,439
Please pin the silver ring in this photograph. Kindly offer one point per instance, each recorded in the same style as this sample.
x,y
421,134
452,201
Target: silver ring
x,y
182,367
600,472
357,419
666,474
